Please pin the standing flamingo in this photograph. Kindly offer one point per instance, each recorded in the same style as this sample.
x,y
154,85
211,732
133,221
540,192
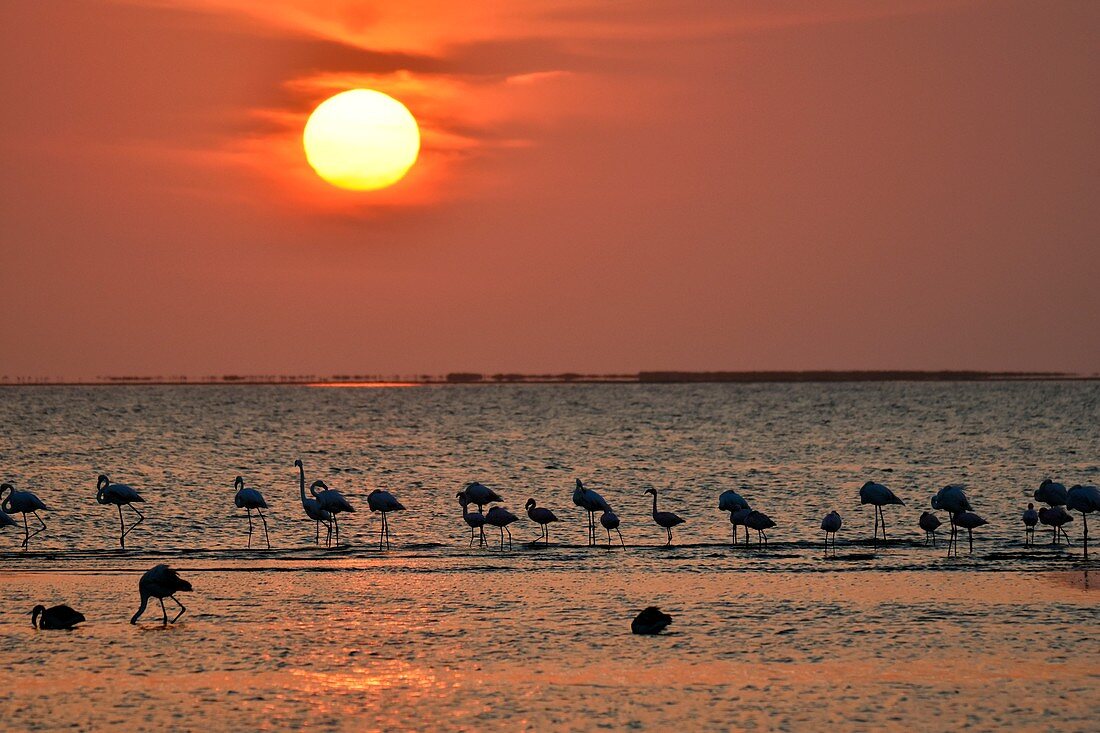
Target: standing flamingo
x,y
120,495
929,522
879,496
542,517
952,499
331,501
665,520
831,524
1056,517
475,520
591,502
731,501
23,502
313,508
161,582
1084,499
249,499
737,519
610,521
480,494
499,517
384,501
760,522
1030,518
968,521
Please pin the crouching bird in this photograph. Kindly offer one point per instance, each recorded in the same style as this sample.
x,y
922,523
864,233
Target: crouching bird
x,y
161,582
56,617
650,621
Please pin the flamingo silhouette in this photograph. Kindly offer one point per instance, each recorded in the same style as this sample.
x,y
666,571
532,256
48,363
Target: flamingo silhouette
x,y
1084,499
313,508
1030,518
161,582
249,499
500,518
384,502
475,520
737,519
1056,517
968,521
610,521
831,524
331,501
56,617
878,496
591,502
542,517
929,522
23,502
760,522
480,494
952,499
665,520
120,495
1051,493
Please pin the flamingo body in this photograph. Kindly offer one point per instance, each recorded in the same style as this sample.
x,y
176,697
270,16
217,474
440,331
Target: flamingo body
x,y
1051,493
22,502
591,502
120,495
929,522
610,521
1084,499
731,501
56,617
665,520
500,518
384,502
249,499
161,582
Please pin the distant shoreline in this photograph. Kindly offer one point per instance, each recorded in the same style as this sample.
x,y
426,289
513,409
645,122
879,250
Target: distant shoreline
x,y
473,378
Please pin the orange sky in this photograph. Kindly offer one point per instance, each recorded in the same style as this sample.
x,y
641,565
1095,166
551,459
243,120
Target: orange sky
x,y
604,187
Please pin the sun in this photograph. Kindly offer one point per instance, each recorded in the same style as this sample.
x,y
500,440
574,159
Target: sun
x,y
361,140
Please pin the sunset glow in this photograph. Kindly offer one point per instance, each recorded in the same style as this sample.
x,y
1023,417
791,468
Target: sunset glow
x,y
361,140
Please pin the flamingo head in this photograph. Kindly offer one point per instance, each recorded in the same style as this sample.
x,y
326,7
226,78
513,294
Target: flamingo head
x,y
651,491
580,485
238,483
530,503
297,462
1030,505
463,499
102,482
317,485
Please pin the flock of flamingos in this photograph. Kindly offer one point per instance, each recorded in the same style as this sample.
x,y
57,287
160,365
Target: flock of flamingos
x,y
324,505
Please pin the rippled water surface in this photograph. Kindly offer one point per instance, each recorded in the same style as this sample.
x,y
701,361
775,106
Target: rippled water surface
x,y
435,635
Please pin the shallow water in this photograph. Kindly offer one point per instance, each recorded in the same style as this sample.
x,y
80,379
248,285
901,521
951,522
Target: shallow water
x,y
433,634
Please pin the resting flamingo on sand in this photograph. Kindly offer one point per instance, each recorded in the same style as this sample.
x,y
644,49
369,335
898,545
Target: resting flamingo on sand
x,y
313,508
384,502
161,582
1056,517
55,617
665,520
542,517
331,501
878,496
249,499
475,520
610,521
1084,499
23,502
831,524
499,517
760,522
591,502
1030,519
929,522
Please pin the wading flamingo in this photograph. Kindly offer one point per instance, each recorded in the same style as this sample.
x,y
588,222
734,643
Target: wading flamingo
x,y
542,517
384,502
249,499
591,502
23,502
1030,519
313,508
475,520
878,496
55,617
499,517
831,524
1084,499
665,520
161,582
610,521
929,522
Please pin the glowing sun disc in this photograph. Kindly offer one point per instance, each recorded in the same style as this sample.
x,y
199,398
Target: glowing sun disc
x,y
361,140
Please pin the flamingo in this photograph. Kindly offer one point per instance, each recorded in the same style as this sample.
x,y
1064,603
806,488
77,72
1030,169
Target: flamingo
x,y
952,499
120,495
831,524
591,502
1031,518
879,496
161,582
313,508
55,617
384,501
731,501
474,520
331,501
650,621
737,519
1051,493
610,521
968,521
480,494
541,516
665,520
1055,517
1084,499
929,522
23,502
760,522
249,499
500,518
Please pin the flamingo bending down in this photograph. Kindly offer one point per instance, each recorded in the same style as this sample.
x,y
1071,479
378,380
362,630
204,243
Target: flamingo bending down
x,y
1084,499
878,496
610,521
1056,517
500,518
952,499
331,501
968,521
665,520
929,522
56,617
591,502
475,520
760,522
737,519
249,499
384,502
313,508
541,516
161,582
831,524
1030,518
731,501
480,494
23,502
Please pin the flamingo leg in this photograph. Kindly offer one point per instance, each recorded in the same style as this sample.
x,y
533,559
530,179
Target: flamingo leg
x,y
336,523
883,523
382,531
1085,521
163,611
317,534
509,538
248,513
620,537
970,536
121,529
266,538
182,608
26,532
141,518
608,536
471,535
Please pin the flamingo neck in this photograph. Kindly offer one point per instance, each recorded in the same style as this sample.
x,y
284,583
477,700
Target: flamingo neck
x,y
302,481
654,503
141,609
